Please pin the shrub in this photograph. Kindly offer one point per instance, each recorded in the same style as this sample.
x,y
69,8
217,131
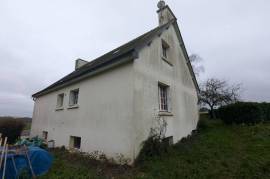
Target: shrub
x,y
241,113
156,144
11,128
152,147
202,124
265,111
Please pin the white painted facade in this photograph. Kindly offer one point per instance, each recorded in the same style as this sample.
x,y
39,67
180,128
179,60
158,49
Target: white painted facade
x,y
118,107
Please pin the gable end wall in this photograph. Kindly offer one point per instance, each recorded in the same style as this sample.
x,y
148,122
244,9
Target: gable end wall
x,y
149,70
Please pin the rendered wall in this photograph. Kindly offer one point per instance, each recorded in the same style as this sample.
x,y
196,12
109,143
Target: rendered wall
x,y
103,119
149,70
118,108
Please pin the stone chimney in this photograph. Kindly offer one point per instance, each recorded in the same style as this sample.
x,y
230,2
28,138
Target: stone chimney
x,y
165,14
79,63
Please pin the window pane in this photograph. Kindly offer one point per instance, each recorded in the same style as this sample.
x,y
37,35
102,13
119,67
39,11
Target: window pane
x,y
45,135
75,142
163,98
60,100
74,95
164,51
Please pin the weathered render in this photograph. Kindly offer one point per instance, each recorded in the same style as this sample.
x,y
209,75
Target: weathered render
x,y
119,98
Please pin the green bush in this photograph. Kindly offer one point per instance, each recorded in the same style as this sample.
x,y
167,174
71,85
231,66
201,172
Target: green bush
x,y
11,128
202,124
241,113
265,111
152,147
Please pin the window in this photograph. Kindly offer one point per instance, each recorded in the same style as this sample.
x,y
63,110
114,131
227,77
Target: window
x,y
164,51
168,141
163,97
73,98
60,100
165,48
45,135
75,142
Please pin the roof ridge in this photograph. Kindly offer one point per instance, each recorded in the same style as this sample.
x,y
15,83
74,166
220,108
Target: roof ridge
x,y
158,27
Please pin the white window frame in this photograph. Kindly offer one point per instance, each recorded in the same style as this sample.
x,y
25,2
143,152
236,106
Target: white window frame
x,y
74,97
60,100
163,93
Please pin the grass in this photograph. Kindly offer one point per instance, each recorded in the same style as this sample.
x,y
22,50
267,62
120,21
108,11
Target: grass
x,y
216,151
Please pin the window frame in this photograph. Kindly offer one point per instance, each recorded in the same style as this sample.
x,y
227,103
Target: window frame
x,y
45,135
163,97
168,141
164,49
73,141
74,99
60,96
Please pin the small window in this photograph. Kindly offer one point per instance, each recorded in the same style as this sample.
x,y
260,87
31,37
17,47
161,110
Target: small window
x,y
74,97
163,97
168,141
60,100
45,135
75,142
165,48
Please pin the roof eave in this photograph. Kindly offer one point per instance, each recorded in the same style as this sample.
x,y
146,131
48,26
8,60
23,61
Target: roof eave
x,y
187,58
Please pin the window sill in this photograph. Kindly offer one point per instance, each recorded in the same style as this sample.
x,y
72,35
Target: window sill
x,y
59,109
74,150
164,113
166,60
73,106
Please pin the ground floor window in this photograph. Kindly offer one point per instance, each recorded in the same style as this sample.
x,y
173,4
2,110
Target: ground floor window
x,y
75,142
168,141
45,135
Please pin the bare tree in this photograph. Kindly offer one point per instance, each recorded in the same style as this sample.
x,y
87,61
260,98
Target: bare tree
x,y
196,61
215,92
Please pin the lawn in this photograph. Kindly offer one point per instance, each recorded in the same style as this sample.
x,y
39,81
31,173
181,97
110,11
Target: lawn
x,y
216,151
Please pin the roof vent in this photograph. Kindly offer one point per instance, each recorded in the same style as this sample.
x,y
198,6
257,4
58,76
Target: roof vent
x,y
79,63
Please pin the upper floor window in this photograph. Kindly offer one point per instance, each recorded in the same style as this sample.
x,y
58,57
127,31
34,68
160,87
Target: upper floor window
x,y
60,100
163,97
74,97
165,48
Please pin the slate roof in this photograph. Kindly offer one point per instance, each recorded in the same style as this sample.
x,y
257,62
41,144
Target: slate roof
x,y
114,56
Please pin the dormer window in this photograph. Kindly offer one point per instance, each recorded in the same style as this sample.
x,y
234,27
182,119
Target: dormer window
x,y
165,48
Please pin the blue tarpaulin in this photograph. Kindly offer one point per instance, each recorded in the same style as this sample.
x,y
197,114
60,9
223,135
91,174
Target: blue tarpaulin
x,y
40,159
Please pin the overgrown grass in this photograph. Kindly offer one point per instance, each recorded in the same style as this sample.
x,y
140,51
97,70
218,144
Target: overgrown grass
x,y
216,151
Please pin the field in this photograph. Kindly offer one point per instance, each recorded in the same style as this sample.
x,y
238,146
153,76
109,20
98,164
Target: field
x,y
216,151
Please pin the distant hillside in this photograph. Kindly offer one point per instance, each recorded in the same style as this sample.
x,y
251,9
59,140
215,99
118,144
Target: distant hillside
x,y
26,119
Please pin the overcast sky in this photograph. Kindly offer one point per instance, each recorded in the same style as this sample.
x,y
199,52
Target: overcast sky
x,y
41,39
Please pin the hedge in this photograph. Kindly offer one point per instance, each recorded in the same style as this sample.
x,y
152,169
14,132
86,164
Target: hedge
x,y
245,112
11,128
265,111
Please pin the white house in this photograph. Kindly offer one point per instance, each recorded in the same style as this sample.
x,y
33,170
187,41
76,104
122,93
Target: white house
x,y
111,103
